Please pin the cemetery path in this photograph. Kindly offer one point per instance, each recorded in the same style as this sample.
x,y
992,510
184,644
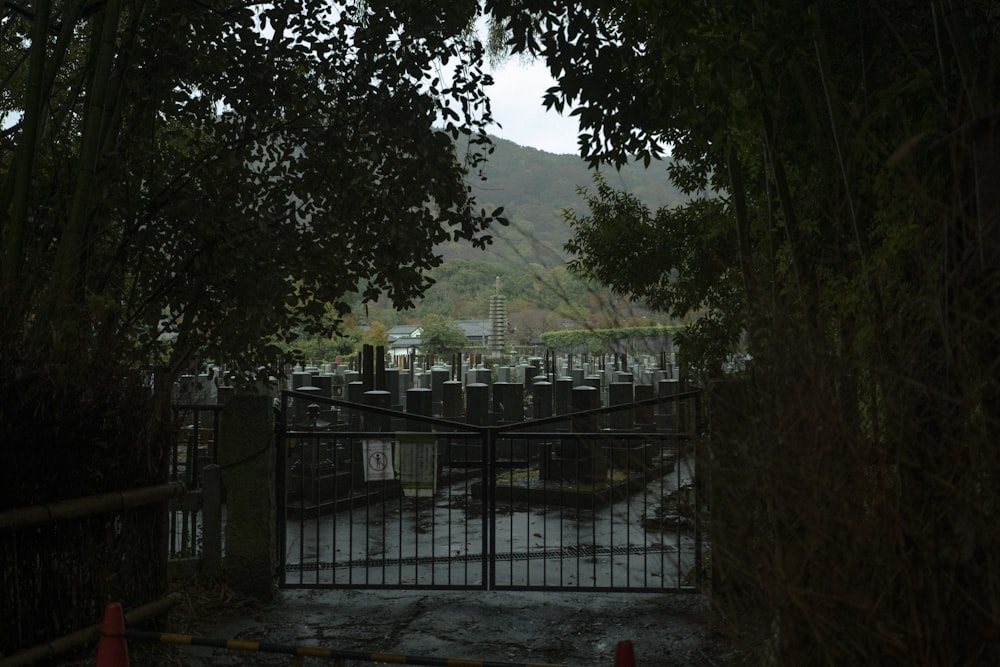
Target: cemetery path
x,y
573,629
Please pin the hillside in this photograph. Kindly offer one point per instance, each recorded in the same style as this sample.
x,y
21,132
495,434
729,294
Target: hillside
x,y
534,187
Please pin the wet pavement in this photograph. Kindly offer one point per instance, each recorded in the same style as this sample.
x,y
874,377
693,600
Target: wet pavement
x,y
574,629
434,541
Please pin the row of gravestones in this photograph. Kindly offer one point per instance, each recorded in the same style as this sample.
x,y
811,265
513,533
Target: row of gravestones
x,y
481,401
208,386
504,394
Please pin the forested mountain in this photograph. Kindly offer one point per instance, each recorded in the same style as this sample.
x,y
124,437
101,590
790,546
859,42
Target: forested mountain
x,y
534,188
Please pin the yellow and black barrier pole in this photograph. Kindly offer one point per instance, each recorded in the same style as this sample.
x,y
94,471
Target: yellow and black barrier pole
x,y
314,652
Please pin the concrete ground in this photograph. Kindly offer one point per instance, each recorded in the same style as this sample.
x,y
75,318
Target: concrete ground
x,y
574,629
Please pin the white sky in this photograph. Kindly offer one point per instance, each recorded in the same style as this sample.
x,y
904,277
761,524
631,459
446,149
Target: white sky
x,y
516,99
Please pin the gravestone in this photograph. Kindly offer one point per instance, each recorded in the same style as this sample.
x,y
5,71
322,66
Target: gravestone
x,y
451,399
620,393
667,414
439,375
541,400
477,402
577,458
643,415
480,375
418,402
508,402
564,388
373,421
392,386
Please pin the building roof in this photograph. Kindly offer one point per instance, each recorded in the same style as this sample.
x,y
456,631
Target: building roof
x,y
478,330
403,331
404,343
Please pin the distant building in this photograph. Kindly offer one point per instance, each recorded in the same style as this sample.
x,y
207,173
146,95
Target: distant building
x,y
477,332
403,331
404,341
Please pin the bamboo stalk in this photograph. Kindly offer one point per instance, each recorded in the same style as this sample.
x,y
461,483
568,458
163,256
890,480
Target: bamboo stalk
x,y
106,502
11,260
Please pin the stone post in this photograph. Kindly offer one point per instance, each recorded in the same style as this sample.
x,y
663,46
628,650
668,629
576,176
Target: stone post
x,y
247,457
211,516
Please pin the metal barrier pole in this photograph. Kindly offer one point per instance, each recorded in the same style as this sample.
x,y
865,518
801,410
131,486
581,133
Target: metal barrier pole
x,y
316,651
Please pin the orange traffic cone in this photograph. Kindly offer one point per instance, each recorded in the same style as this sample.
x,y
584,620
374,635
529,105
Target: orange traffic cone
x,y
112,651
625,655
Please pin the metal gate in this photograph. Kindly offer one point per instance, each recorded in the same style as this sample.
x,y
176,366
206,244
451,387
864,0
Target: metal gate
x,y
377,498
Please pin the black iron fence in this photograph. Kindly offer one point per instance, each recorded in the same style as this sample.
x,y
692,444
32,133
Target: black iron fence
x,y
196,445
601,500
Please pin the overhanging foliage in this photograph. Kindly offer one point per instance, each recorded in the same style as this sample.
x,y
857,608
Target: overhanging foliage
x,y
190,181
854,149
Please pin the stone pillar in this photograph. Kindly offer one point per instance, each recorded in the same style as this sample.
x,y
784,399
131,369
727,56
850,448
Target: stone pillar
x,y
211,512
392,386
480,375
620,393
355,394
477,401
451,399
668,411
301,379
577,457
372,421
325,382
439,375
541,400
405,380
247,458
644,415
526,375
585,398
564,389
508,402
422,379
418,402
